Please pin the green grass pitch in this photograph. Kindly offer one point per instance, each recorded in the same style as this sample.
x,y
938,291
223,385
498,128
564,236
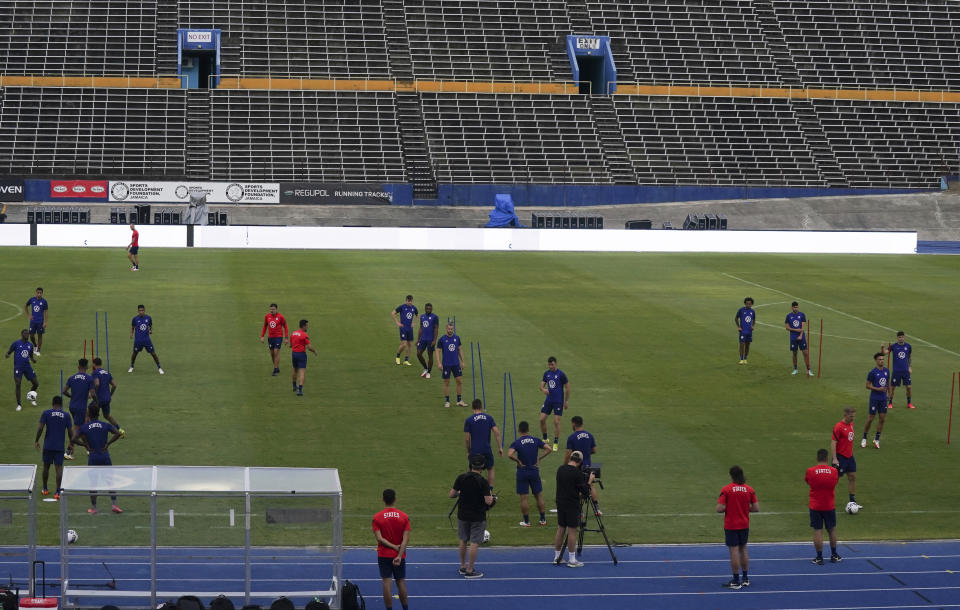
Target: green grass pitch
x,y
647,341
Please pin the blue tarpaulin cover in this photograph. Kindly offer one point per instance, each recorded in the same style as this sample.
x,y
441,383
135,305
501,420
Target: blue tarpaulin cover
x,y
502,214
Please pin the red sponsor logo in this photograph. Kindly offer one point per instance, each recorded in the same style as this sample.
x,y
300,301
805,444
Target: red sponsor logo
x,y
92,189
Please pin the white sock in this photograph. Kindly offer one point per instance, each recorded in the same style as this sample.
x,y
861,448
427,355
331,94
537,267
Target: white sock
x,y
573,557
557,554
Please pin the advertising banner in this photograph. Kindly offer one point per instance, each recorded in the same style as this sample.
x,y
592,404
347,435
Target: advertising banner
x,y
78,189
179,192
324,193
11,189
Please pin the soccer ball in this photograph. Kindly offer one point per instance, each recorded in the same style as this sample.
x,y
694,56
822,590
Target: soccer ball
x,y
853,508
486,536
71,536
31,396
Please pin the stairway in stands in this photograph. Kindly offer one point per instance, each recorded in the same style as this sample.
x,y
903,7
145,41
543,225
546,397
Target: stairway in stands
x,y
614,147
820,147
398,44
167,23
198,134
776,43
416,156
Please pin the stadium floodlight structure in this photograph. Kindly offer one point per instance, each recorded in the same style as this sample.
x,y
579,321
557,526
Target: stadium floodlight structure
x,y
17,487
180,520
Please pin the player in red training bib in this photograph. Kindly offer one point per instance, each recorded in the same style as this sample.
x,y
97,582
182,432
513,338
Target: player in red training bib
x,y
133,249
392,529
299,344
822,480
275,327
737,500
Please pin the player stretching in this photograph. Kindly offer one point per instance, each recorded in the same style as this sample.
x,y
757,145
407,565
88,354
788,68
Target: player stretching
x,y
878,382
452,363
141,327
22,351
427,338
299,344
556,388
78,389
902,367
841,451
133,249
276,325
93,436
746,320
57,424
36,309
796,324
407,312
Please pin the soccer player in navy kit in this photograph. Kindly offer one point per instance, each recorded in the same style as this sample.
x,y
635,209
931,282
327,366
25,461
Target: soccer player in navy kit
x,y
58,425
556,387
104,386
141,327
78,389
452,363
404,316
22,351
427,338
902,369
476,433
878,382
585,443
746,320
36,309
796,325
525,451
93,435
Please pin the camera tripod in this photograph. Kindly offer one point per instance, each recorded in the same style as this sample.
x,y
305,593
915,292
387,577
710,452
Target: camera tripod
x,y
589,506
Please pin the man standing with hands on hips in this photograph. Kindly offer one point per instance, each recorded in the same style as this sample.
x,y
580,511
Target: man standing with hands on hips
x,y
392,529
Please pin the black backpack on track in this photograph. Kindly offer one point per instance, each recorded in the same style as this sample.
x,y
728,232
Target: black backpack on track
x,y
351,599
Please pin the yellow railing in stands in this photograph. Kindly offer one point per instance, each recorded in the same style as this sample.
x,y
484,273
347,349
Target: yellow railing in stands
x,y
123,82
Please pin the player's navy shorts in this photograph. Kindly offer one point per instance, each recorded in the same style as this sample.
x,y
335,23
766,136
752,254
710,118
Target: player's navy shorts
x,y
36,328
24,371
528,479
736,537
51,456
134,249
454,369
147,345
846,464
388,570
99,459
897,378
300,360
878,406
555,407
568,515
406,333
79,415
425,344
823,518
275,342
104,408
796,344
487,457
746,337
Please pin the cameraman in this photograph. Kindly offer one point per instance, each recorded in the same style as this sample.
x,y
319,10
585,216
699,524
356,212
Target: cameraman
x,y
572,486
475,499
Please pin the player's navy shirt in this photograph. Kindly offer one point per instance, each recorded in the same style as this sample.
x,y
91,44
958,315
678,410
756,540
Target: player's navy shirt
x,y
879,378
527,448
795,322
97,434
21,353
37,307
449,346
555,381
79,385
479,426
141,328
407,314
103,393
57,423
582,441
745,318
900,357
429,323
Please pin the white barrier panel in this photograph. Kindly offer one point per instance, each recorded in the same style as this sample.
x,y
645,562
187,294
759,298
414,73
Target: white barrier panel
x,y
14,235
111,236
556,240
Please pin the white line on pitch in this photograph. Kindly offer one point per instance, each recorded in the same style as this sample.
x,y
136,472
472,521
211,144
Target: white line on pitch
x,y
14,315
829,335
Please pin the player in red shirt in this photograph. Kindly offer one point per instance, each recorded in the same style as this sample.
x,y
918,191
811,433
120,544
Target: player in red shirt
x,y
737,500
299,344
392,529
822,480
133,249
841,451
275,326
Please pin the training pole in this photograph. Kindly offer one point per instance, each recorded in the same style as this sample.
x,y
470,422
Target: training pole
x,y
84,348
953,381
483,393
473,372
889,345
106,338
96,328
820,348
504,420
513,408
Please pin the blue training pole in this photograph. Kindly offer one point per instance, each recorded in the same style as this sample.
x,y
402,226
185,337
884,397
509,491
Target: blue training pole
x,y
513,407
106,338
473,372
483,393
96,327
504,420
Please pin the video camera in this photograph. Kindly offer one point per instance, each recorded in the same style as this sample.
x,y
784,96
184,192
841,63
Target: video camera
x,y
593,469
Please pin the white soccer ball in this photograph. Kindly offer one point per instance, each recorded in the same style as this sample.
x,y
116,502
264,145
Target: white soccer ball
x,y
853,508
31,395
486,536
71,536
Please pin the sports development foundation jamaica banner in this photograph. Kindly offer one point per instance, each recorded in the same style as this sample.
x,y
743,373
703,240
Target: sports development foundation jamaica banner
x,y
179,192
329,193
